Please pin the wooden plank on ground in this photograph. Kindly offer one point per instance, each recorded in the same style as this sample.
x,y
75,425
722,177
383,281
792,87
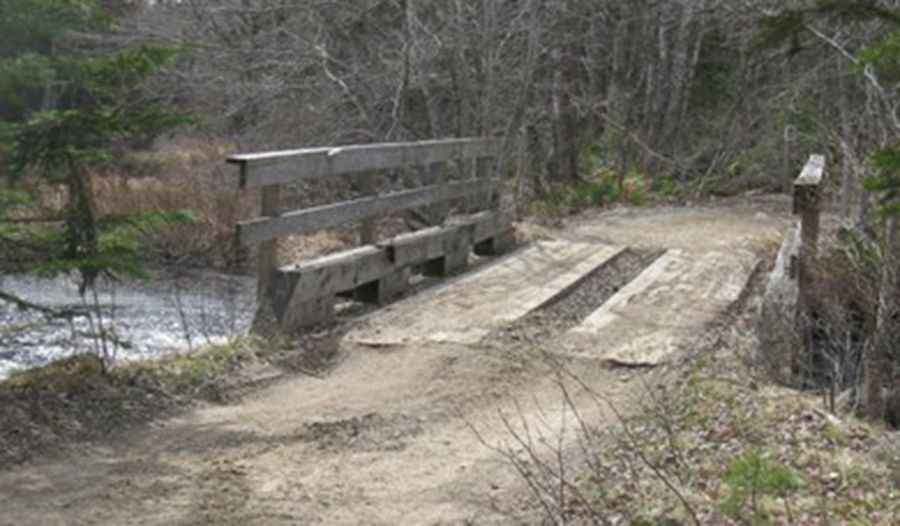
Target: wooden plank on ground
x,y
466,310
263,169
321,217
664,309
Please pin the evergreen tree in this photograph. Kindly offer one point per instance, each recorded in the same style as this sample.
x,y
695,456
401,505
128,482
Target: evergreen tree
x,y
66,105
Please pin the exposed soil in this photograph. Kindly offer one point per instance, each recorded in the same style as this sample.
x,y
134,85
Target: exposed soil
x,y
400,435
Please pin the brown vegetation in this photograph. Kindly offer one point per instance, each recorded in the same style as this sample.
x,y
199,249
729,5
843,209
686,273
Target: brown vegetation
x,y
185,174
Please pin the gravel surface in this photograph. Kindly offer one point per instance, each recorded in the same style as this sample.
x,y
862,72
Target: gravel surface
x,y
567,311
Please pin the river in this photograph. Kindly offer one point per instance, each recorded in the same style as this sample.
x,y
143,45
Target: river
x,y
168,313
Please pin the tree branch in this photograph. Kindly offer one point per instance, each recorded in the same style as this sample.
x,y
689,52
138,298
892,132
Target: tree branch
x,y
43,309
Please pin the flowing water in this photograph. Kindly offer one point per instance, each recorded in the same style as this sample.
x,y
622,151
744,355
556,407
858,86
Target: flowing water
x,y
168,313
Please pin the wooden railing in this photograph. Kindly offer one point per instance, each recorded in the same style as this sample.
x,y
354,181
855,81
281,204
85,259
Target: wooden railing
x,y
303,294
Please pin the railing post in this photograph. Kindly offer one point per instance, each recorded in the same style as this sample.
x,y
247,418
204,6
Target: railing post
x,y
491,199
808,205
368,229
267,259
436,174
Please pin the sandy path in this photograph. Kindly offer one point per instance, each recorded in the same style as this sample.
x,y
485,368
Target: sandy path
x,y
384,439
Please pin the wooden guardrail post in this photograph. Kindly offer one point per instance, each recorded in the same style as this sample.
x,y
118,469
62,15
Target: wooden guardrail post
x,y
504,240
267,259
436,174
808,205
491,199
368,229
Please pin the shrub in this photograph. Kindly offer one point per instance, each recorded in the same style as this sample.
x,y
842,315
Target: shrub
x,y
752,477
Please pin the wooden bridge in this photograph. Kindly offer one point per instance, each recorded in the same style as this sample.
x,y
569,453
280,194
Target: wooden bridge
x,y
676,295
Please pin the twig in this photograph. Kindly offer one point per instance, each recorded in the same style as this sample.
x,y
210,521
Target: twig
x,y
43,309
635,446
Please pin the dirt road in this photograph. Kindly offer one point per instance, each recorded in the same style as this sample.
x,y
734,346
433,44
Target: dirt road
x,y
389,437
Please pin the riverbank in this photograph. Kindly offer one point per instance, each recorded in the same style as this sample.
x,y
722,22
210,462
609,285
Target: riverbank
x,y
78,400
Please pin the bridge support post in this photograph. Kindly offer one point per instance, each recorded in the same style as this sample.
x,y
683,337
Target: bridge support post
x,y
298,314
386,289
456,256
501,243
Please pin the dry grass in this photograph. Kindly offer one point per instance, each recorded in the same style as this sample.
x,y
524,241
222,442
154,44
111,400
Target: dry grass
x,y
184,175
192,175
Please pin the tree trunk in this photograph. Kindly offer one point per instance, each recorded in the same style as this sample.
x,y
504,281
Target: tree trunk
x,y
81,225
848,189
879,366
566,116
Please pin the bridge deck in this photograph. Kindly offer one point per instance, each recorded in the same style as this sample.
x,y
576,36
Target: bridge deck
x,y
664,309
466,310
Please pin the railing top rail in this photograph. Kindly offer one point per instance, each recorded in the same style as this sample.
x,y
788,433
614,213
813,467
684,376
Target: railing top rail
x,y
272,168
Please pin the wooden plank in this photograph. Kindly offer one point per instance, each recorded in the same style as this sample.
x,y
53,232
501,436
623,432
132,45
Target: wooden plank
x,y
318,218
664,309
343,271
419,246
263,169
430,243
468,309
329,275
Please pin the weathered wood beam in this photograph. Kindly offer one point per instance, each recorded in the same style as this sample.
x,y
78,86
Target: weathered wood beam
x,y
321,217
806,187
419,246
264,169
267,255
808,205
